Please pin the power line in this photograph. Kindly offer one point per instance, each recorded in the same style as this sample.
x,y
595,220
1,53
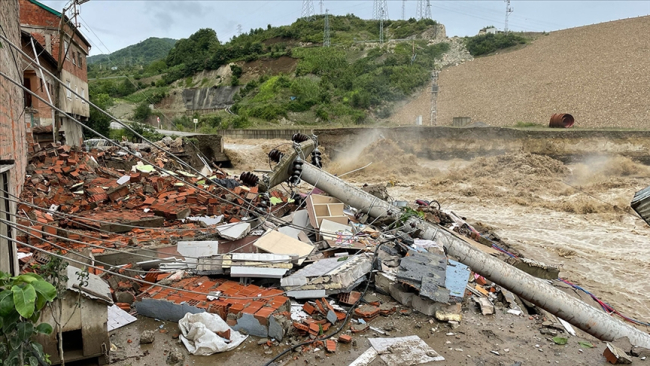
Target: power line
x,y
160,170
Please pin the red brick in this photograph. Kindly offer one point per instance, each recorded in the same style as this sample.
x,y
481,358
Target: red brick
x,y
345,339
331,345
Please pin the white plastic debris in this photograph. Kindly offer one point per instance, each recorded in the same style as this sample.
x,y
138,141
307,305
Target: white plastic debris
x,y
199,334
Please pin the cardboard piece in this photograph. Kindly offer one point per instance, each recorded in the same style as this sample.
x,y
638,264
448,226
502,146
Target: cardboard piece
x,y
277,243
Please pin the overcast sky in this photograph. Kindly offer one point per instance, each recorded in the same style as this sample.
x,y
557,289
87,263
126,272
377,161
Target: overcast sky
x,y
114,24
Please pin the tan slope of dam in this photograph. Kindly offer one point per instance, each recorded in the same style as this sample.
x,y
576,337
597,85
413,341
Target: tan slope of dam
x,y
598,73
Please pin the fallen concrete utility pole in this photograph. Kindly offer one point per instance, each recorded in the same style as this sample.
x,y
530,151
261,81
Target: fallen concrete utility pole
x,y
537,291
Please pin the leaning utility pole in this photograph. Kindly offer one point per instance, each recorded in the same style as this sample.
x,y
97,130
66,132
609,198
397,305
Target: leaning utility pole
x,y
307,9
326,35
509,10
593,321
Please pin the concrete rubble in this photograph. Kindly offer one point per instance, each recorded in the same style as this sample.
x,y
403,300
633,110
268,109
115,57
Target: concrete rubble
x,y
301,267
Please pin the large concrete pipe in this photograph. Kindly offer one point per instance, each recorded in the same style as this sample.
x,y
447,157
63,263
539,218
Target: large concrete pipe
x,y
539,292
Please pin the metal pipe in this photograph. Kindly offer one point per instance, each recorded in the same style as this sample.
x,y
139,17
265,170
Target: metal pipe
x,y
535,290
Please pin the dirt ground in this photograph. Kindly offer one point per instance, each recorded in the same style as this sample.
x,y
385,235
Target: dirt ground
x,y
515,338
575,215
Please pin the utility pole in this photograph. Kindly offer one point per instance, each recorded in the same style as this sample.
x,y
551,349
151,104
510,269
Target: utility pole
x,y
509,10
307,9
326,36
433,121
403,9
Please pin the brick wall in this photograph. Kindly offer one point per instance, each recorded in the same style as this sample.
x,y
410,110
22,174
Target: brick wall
x,y
42,23
13,144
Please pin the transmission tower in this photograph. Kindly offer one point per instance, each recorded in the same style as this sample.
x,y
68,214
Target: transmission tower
x,y
381,27
403,9
321,6
239,30
419,10
308,9
326,36
427,10
509,10
380,9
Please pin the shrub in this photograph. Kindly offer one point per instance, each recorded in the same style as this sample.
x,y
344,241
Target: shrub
x,y
236,70
488,43
142,112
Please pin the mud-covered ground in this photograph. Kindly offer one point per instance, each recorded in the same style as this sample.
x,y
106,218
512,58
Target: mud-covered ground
x,y
514,338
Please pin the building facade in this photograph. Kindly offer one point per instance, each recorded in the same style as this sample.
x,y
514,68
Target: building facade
x,y
13,144
69,49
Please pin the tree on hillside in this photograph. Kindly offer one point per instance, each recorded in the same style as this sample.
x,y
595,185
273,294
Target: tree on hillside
x,y
98,121
197,47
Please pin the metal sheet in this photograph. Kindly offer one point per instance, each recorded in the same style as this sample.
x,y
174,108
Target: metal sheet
x,y
457,277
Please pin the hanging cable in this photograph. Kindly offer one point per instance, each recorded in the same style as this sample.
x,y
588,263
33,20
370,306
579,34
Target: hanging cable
x,y
277,221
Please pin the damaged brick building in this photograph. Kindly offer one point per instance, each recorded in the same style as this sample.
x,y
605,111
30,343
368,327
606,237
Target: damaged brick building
x,y
47,26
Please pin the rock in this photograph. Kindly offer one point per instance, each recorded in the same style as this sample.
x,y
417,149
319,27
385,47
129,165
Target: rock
x,y
175,356
147,337
548,331
262,341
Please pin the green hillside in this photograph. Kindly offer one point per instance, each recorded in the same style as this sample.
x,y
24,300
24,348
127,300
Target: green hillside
x,y
356,80
149,50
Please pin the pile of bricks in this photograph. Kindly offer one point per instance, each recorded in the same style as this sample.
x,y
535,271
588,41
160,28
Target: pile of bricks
x,y
85,184
232,301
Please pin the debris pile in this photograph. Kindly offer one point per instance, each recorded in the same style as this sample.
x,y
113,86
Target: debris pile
x,y
227,260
